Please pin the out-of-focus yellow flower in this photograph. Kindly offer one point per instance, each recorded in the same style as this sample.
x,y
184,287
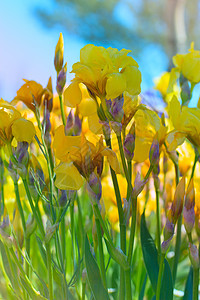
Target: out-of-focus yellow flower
x,y
106,73
186,157
162,83
189,64
186,121
12,124
148,126
84,155
166,84
30,93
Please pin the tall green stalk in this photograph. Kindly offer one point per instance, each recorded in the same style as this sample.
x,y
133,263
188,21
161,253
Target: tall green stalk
x,y
121,224
101,254
62,110
195,295
49,270
38,220
178,234
158,219
161,265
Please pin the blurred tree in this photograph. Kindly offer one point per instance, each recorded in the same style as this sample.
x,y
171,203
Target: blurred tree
x,y
173,24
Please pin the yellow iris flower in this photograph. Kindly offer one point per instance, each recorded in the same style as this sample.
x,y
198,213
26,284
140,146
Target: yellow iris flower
x,y
186,122
30,93
12,124
79,157
148,126
105,72
189,64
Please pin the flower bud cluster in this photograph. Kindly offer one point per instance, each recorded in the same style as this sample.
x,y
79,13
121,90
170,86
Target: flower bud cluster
x,y
173,214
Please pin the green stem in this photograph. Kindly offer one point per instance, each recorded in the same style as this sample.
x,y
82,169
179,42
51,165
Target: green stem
x,y
128,284
195,284
51,160
105,229
80,225
62,110
130,176
177,248
194,165
83,290
2,187
101,254
72,230
63,240
27,245
133,225
51,182
178,234
121,223
161,265
19,205
158,220
133,221
39,222
49,271
124,164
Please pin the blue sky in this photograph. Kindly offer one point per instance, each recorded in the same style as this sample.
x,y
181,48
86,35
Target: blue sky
x,y
27,49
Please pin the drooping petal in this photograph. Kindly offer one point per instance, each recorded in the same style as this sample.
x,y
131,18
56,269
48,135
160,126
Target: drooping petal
x,y
115,86
28,93
63,144
72,94
87,107
23,130
174,111
133,80
112,159
68,177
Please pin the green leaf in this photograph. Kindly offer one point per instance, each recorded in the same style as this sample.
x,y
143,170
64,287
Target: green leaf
x,y
117,255
12,274
93,274
31,291
42,250
150,256
141,296
189,286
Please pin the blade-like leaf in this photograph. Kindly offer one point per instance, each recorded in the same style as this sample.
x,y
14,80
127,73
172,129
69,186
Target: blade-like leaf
x,y
141,296
31,291
150,255
188,287
93,274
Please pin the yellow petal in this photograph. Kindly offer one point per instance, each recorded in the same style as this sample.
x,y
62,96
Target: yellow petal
x,y
174,111
112,159
87,107
68,177
94,125
115,86
63,144
23,130
142,147
175,139
133,80
72,94
174,75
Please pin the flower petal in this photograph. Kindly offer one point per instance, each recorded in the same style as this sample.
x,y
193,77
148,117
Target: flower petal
x,y
72,94
23,130
115,86
133,80
68,177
